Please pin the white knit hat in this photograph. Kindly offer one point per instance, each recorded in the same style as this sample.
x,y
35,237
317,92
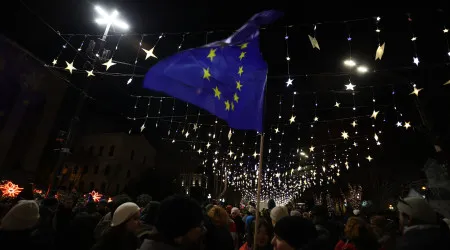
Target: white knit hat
x,y
417,208
124,212
278,212
24,215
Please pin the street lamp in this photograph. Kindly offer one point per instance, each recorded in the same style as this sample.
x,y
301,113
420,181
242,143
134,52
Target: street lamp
x,y
109,20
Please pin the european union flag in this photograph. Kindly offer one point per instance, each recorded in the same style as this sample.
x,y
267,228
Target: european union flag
x,y
227,77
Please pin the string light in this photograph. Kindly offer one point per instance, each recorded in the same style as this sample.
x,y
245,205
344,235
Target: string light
x,y
288,59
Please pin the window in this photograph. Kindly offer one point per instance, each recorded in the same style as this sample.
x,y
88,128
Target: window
x,y
103,187
144,160
107,170
91,186
117,188
91,150
111,150
100,151
132,155
85,169
96,169
128,173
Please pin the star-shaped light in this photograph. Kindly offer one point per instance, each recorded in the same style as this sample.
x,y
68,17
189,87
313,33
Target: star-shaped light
x,y
292,120
416,60
90,73
142,127
354,124
187,134
255,154
445,30
311,149
375,137
195,127
289,82
337,105
109,63
54,62
369,158
407,125
399,124
149,53
277,130
355,144
374,114
350,86
70,67
415,91
344,135
230,153
199,151
208,145
316,118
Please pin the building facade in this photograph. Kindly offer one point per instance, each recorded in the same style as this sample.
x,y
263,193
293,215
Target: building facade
x,y
30,99
107,162
194,184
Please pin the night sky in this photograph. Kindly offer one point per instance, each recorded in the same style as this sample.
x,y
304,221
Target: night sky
x,y
319,76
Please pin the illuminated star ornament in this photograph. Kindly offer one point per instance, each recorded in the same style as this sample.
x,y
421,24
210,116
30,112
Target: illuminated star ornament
x,y
415,91
380,52
316,118
350,86
70,67
289,82
90,73
54,62
292,120
109,63
149,53
95,196
374,114
416,61
311,149
369,158
314,42
208,145
277,130
407,125
354,124
10,189
143,127
337,105
344,135
255,154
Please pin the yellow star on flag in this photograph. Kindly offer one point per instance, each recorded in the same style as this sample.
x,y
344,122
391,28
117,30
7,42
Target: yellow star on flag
x,y
217,92
70,67
239,85
227,105
236,98
241,70
243,46
109,63
206,74
212,54
242,55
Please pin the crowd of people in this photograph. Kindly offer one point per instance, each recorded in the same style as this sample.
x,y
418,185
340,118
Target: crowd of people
x,y
179,222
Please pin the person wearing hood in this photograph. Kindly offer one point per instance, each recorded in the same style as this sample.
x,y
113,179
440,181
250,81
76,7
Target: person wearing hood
x,y
420,226
294,232
122,234
179,225
17,225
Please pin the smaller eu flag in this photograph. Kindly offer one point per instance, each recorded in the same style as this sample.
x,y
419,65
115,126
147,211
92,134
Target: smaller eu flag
x,y
227,77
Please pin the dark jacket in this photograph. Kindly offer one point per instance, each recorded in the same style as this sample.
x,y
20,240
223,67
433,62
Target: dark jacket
x,y
428,237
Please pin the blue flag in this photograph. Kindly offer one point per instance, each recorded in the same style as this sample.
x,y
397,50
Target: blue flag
x,y
227,77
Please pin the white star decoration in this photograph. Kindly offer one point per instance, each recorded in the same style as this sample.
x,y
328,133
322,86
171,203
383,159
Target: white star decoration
x,y
369,158
277,130
109,63
407,125
350,86
415,91
354,124
292,119
344,135
90,73
149,53
208,145
416,61
143,127
316,118
289,82
311,149
337,105
54,62
255,154
374,114
70,67
187,134
199,151
399,124
195,127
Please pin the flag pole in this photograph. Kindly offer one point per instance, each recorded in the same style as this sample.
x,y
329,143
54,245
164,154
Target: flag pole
x,y
258,192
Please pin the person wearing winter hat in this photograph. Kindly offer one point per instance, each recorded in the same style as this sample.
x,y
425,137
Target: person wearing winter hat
x,y
122,234
17,225
294,232
277,213
420,226
179,225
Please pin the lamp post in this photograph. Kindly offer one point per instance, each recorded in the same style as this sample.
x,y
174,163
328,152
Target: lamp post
x,y
109,20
